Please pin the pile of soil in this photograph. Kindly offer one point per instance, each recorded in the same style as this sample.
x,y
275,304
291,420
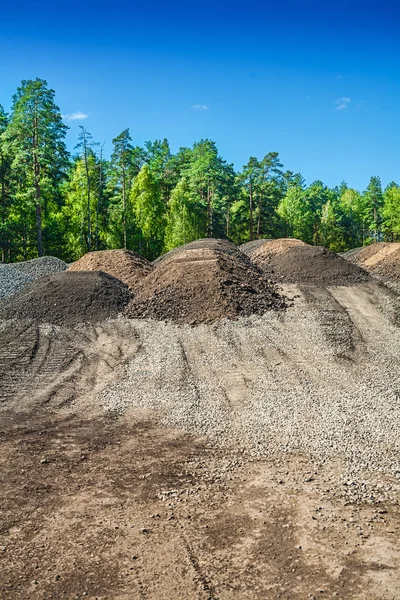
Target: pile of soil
x,y
249,247
292,261
68,298
203,243
202,282
382,259
125,265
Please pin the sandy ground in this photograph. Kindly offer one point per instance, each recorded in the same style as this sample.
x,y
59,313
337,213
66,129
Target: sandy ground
x,y
118,504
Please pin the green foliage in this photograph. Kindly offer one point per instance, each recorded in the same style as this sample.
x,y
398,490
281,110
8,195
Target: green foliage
x,y
391,212
34,143
150,199
149,211
182,217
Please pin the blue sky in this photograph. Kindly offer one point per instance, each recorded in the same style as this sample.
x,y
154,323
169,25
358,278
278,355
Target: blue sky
x,y
318,82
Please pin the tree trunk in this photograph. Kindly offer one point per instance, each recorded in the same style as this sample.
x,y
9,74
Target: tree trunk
x,y
251,210
124,199
259,218
39,228
99,199
38,193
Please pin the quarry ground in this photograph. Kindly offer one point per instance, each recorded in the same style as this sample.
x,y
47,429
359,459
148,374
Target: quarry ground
x,y
250,459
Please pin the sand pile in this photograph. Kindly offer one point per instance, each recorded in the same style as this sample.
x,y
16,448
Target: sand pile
x,y
68,298
381,259
292,262
125,265
202,282
249,247
204,243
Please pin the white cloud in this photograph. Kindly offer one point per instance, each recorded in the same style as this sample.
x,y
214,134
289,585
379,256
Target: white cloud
x,y
342,103
76,116
200,107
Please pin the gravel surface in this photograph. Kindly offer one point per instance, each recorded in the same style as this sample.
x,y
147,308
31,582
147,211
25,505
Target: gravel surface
x,y
322,378
11,280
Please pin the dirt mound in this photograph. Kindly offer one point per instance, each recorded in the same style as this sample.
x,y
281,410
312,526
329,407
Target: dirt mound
x,y
202,244
249,247
200,283
301,263
68,298
381,259
125,265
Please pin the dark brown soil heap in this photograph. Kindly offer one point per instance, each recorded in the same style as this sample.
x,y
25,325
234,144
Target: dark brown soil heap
x,y
125,265
203,282
286,262
68,298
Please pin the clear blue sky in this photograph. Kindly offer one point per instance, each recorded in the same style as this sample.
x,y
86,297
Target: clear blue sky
x,y
319,82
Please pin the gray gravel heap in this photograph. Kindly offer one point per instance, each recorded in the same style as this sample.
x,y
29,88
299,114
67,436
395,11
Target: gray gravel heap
x,y
12,280
38,267
322,379
15,276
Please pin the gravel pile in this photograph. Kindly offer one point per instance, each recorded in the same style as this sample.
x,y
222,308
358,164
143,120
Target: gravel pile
x,y
15,276
303,380
291,261
11,280
125,265
202,282
68,298
38,267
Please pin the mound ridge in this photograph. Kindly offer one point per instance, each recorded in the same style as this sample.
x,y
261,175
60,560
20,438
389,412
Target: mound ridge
x,y
125,265
250,247
68,298
204,243
300,263
382,259
201,283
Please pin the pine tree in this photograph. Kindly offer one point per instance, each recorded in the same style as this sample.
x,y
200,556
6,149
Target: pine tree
x,y
34,138
122,175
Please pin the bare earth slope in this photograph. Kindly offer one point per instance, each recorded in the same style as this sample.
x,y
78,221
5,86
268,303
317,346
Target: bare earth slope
x,y
68,298
202,282
382,259
125,265
249,247
284,261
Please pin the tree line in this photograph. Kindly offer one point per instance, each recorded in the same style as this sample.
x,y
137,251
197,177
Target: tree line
x,y
148,199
